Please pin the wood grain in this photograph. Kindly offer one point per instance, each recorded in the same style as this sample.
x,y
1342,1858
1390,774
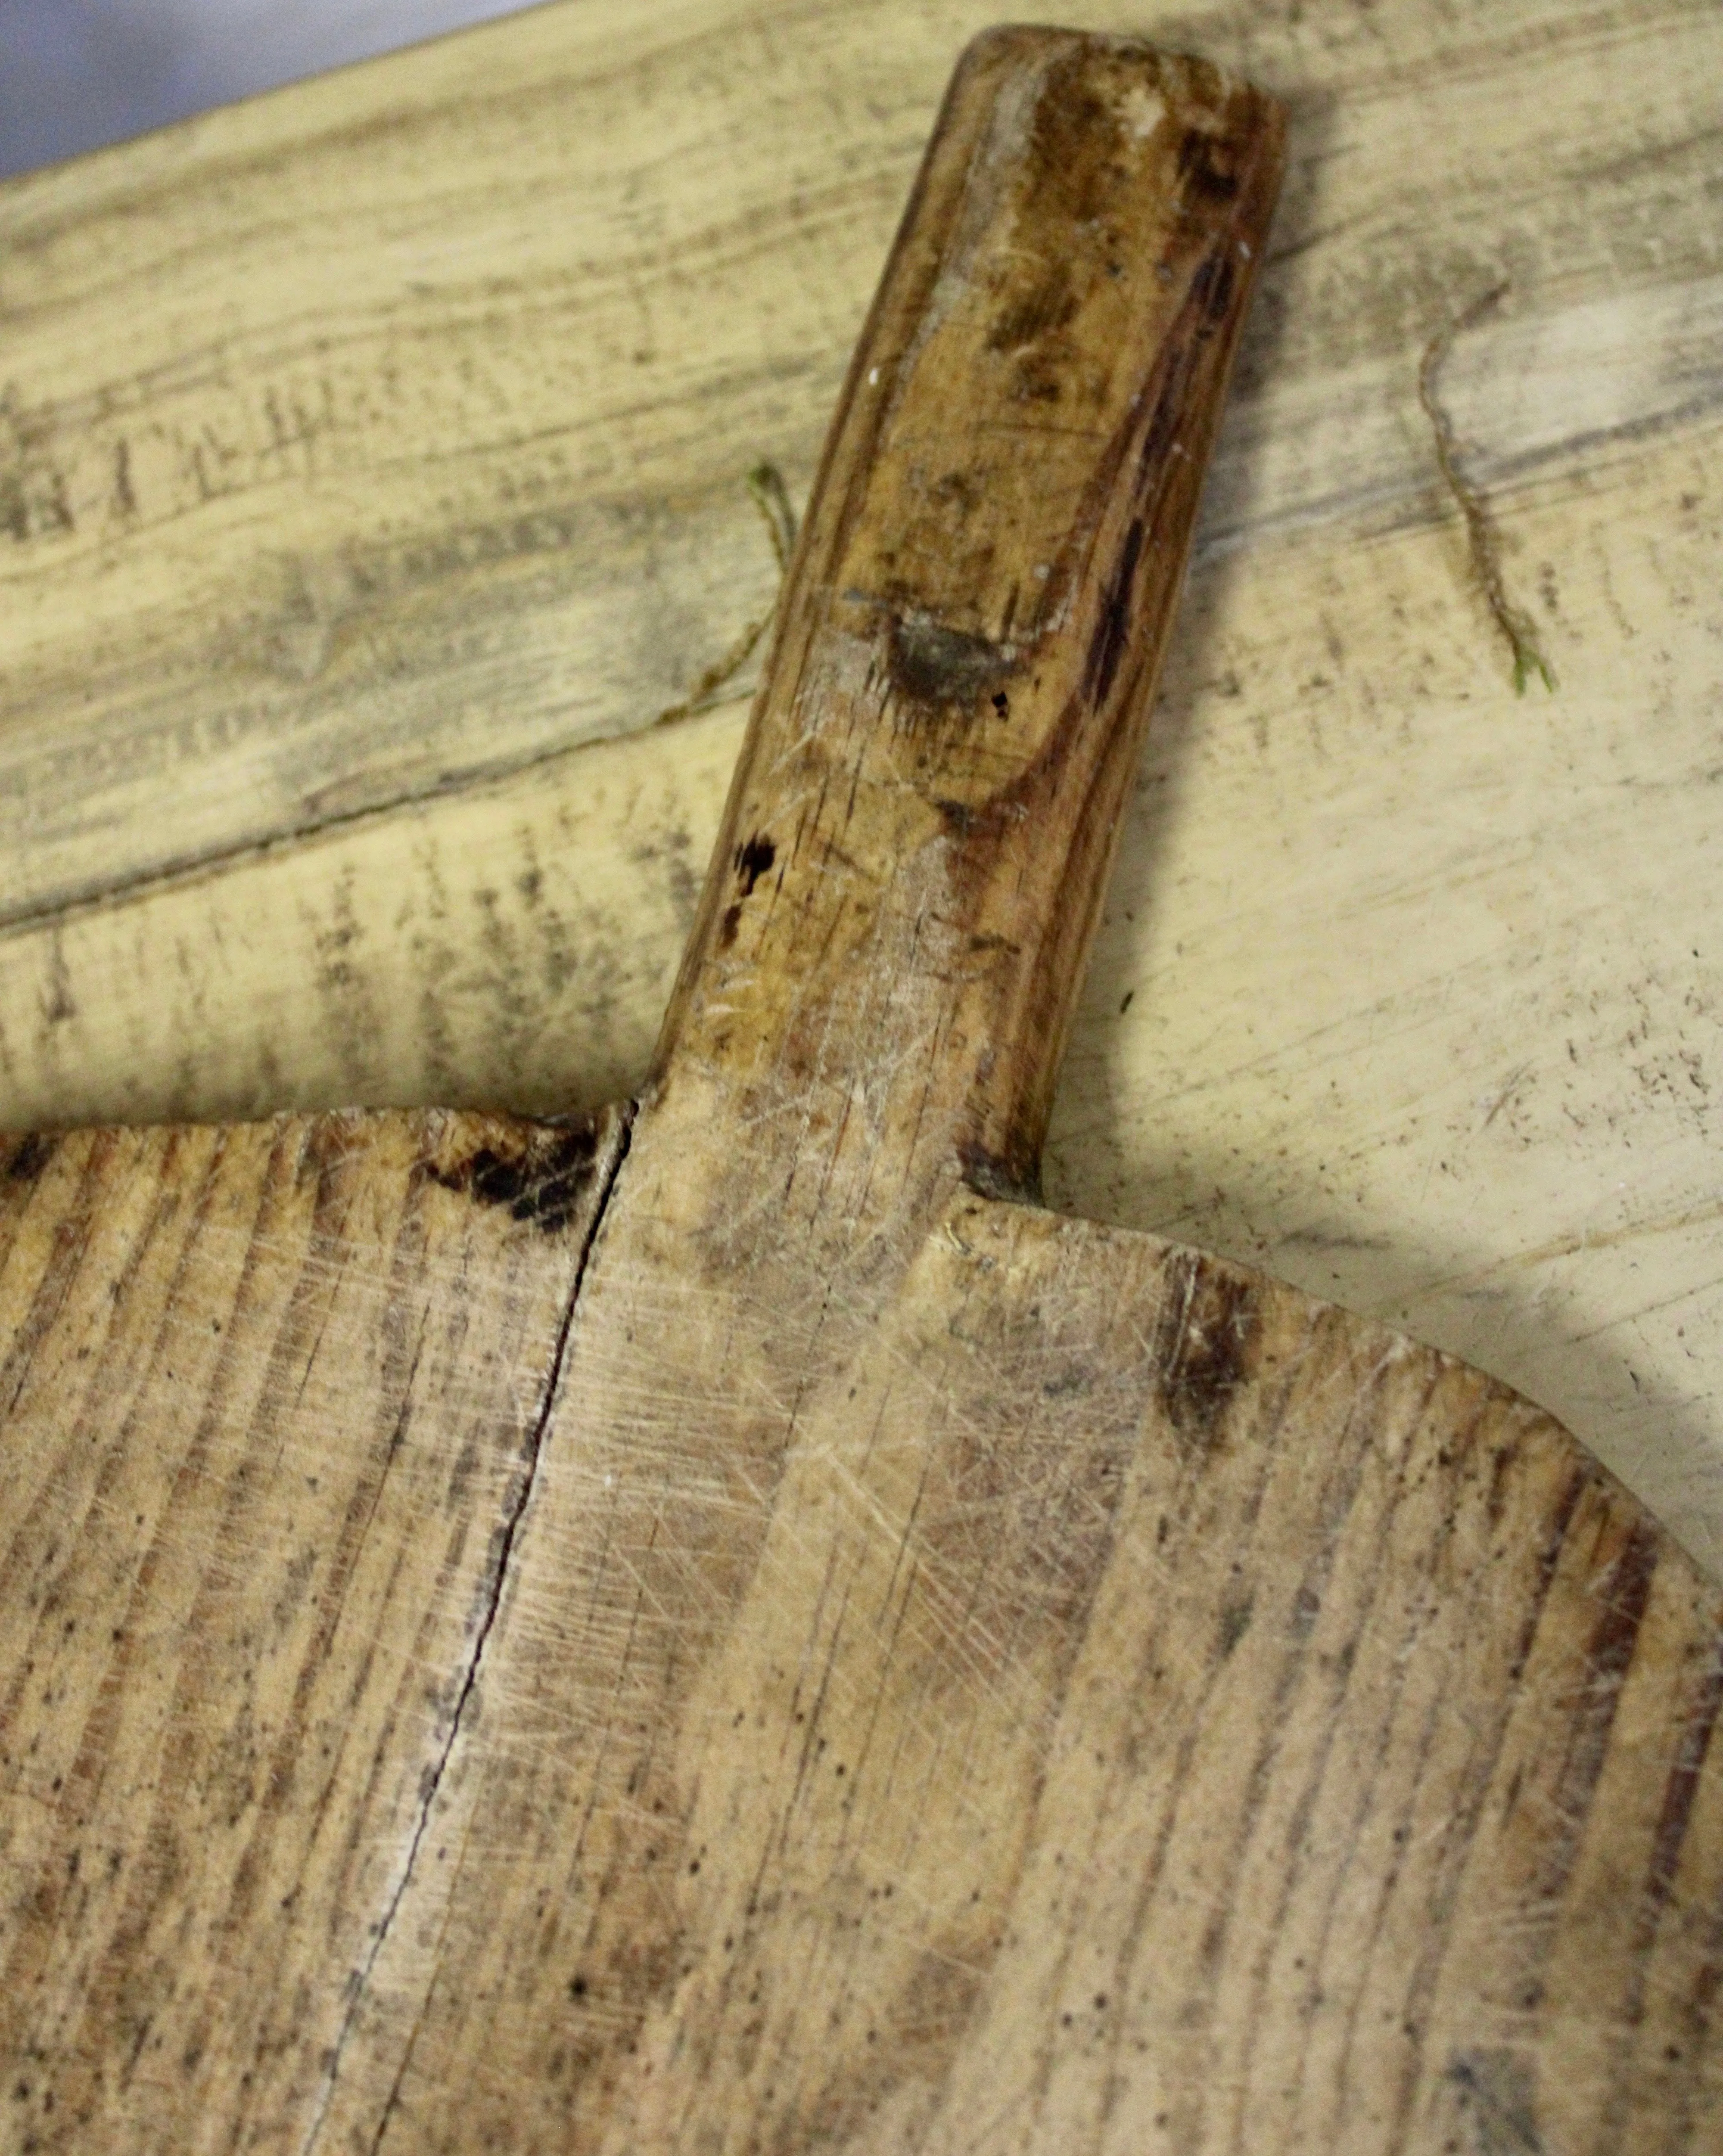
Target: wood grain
x,y
897,1669
274,1399
1419,993
1224,1726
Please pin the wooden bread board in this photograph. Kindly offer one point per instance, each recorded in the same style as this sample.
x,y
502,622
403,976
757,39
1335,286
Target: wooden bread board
x,y
726,1625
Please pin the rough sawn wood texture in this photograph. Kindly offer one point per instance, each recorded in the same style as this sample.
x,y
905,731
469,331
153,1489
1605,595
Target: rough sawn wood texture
x,y
731,1628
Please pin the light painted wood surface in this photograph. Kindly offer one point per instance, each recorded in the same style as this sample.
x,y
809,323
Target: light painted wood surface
x,y
472,351
727,1628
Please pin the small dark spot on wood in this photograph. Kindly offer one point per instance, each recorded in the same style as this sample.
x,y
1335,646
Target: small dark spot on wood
x,y
753,861
960,820
28,1158
1206,1346
1001,703
1201,165
940,669
991,1175
1235,1623
731,923
544,1183
577,1987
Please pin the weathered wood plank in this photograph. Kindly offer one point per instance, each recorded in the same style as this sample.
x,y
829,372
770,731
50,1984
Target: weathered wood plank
x,y
274,1401
1249,1749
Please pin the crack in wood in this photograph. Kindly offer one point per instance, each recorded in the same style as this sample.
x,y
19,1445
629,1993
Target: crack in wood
x,y
493,1603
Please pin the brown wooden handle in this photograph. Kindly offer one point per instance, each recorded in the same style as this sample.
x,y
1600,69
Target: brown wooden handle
x,y
919,831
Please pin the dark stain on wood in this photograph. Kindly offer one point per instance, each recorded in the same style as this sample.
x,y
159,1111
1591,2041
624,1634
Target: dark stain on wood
x,y
543,1183
753,861
1170,409
1014,1177
964,820
939,668
325,1143
1205,168
1573,1487
1210,1329
28,1158
1235,1622
1210,298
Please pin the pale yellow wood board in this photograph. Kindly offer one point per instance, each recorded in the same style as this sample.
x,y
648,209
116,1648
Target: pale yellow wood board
x,y
473,349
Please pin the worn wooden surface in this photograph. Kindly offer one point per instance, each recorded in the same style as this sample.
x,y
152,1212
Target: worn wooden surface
x,y
274,1396
367,450
728,1627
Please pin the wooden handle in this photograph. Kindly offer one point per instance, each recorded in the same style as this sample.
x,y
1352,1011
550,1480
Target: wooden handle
x,y
919,831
